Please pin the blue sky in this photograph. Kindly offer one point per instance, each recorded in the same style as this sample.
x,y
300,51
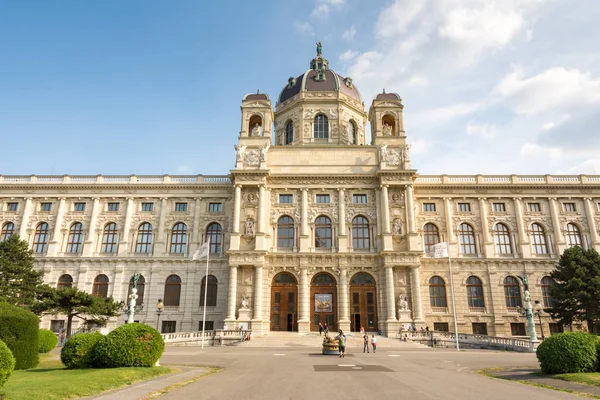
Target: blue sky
x,y
154,87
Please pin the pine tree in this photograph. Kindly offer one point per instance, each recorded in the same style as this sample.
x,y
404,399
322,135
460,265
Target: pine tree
x,y
19,281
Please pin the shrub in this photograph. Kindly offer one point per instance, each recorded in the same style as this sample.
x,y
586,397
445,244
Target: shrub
x,y
77,351
19,330
130,345
7,363
47,340
568,352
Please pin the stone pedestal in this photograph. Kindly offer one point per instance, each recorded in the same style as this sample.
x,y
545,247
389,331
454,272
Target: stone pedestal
x,y
244,315
303,327
404,317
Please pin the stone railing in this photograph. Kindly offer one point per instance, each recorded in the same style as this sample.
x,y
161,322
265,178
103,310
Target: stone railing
x,y
217,337
469,340
506,179
113,179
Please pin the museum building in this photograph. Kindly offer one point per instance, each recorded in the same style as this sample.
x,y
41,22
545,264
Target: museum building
x,y
313,225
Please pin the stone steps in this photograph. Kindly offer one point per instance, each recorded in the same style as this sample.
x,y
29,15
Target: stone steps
x,y
354,340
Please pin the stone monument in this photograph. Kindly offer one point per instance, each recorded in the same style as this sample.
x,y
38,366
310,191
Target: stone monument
x,y
244,312
403,310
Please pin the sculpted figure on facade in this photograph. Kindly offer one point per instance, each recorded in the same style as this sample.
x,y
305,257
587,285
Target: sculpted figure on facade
x,y
383,153
402,303
387,129
404,152
239,152
256,130
245,303
249,227
252,157
397,227
263,152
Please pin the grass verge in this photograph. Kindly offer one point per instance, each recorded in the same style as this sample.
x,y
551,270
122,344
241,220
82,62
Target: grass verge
x,y
51,381
177,385
589,378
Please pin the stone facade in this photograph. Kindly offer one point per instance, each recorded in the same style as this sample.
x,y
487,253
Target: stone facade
x,y
309,206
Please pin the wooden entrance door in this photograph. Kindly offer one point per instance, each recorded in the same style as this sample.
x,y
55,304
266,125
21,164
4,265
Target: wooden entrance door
x,y
323,302
363,302
284,302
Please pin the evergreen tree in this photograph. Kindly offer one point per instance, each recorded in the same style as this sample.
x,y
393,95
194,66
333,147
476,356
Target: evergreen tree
x,y
576,291
19,281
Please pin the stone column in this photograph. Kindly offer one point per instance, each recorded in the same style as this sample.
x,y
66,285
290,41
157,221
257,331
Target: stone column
x,y
304,234
195,236
232,296
54,244
558,236
523,240
488,245
258,293
385,208
235,231
160,246
124,245
415,279
410,209
589,211
342,237
89,246
303,302
450,238
343,300
260,225
25,218
390,293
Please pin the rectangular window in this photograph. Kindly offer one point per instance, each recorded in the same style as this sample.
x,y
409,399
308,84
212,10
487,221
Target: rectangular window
x,y
181,207
480,328
359,198
147,207
517,329
215,207
440,326
499,207
286,199
464,207
534,207
56,325
169,326
322,199
569,207
208,326
12,207
114,207
80,207
46,207
429,207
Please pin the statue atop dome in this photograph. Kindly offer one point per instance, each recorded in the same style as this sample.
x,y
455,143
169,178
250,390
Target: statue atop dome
x,y
319,48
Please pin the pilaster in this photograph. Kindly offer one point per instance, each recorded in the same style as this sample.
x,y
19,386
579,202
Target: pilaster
x,y
589,211
89,246
260,234
415,280
54,244
231,297
303,302
487,247
124,244
342,237
304,237
523,240
343,299
25,218
159,248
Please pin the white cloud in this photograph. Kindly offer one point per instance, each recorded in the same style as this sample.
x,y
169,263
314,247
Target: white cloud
x,y
553,124
349,34
303,27
486,131
184,170
588,167
555,87
348,55
323,7
536,150
444,114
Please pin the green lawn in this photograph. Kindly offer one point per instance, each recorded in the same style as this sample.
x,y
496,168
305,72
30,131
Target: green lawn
x,y
51,381
589,378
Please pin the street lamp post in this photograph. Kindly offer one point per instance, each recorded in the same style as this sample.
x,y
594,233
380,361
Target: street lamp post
x,y
538,312
528,312
132,307
159,309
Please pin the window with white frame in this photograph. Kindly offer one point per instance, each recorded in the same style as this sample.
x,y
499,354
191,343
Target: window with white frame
x,y
12,207
322,199
359,198
113,207
46,207
147,207
286,199
79,207
534,207
569,207
464,207
499,207
181,207
429,207
215,207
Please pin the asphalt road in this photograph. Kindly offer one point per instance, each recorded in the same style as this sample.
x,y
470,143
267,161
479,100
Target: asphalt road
x,y
300,372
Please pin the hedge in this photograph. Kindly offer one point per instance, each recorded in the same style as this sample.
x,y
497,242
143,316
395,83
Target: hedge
x,y
47,340
130,345
7,363
77,352
568,352
19,330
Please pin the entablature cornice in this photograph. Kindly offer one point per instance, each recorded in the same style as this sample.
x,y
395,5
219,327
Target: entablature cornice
x,y
321,181
238,258
405,258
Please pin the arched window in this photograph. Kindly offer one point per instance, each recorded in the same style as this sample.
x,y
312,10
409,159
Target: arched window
x,y
285,232
75,240
437,292
172,291
323,232
284,278
547,298
538,239
352,136
321,127
502,239
323,279
360,233
475,292
65,282
144,238
361,278
289,132
40,239
100,287
466,237
512,292
211,294
215,237
431,236
179,238
110,238
8,229
141,285
573,235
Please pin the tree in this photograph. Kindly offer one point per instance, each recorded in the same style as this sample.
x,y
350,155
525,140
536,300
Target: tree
x,y
577,287
19,281
73,302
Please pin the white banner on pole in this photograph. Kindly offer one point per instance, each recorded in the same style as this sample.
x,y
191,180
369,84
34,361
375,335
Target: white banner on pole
x,y
439,250
201,252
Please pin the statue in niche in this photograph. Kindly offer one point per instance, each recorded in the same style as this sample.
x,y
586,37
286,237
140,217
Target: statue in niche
x,y
256,130
402,303
245,303
387,129
397,227
249,227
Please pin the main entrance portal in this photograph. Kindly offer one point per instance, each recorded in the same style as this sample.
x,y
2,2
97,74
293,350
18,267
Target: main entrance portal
x,y
284,302
323,302
363,302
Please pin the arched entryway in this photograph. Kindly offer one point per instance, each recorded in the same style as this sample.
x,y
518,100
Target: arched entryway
x,y
363,302
323,301
284,302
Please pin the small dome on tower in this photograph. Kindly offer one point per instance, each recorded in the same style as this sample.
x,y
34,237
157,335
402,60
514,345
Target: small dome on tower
x,y
388,96
256,96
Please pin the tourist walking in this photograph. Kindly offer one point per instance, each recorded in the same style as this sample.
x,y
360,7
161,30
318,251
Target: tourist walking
x,y
320,328
374,343
366,343
341,343
326,328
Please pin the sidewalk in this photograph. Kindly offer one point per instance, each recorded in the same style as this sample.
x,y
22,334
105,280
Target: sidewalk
x,y
140,390
529,375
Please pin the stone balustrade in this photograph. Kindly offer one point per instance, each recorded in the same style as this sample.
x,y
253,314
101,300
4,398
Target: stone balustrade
x,y
113,179
217,337
469,340
506,179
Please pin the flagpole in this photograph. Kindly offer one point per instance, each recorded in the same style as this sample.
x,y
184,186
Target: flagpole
x,y
453,302
205,294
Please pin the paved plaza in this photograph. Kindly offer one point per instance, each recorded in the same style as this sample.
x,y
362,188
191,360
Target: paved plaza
x,y
293,368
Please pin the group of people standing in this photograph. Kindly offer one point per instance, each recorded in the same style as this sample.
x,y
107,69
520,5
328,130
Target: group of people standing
x,y
323,328
366,343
